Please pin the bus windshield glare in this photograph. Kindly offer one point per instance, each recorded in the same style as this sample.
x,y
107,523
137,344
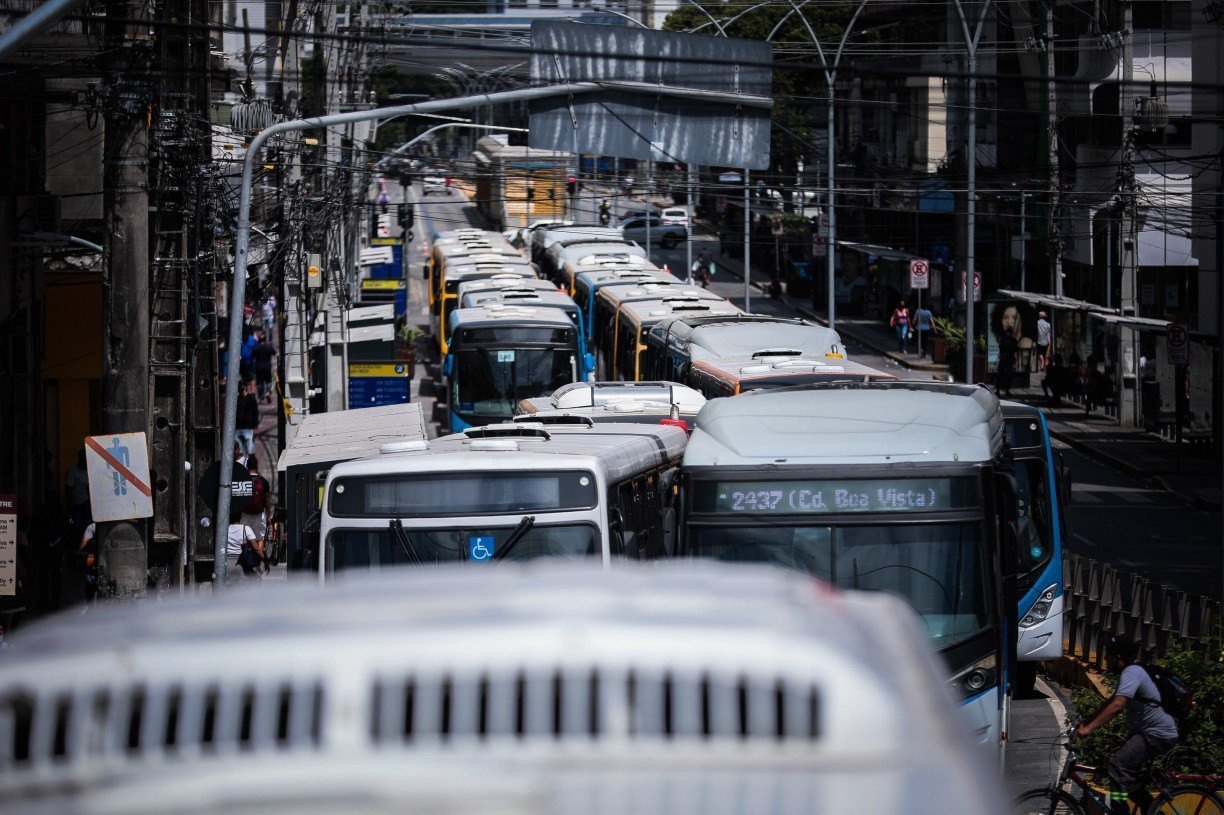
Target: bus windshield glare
x,y
490,382
939,569
379,548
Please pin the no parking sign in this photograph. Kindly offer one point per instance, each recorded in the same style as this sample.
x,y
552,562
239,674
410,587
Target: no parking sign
x,y
920,273
1178,340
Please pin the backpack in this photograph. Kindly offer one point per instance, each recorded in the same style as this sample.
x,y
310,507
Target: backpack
x,y
1175,697
259,496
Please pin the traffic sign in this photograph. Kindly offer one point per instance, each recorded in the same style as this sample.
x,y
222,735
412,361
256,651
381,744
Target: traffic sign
x,y
977,286
1177,338
118,469
8,545
920,273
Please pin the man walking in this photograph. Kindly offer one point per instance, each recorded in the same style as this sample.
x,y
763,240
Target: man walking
x,y
247,419
263,356
923,318
267,314
1151,731
1045,333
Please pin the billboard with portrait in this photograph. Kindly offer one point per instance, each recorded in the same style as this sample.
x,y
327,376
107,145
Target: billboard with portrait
x,y
1017,316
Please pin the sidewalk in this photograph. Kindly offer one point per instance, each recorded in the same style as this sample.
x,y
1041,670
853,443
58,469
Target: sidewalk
x,y
1190,473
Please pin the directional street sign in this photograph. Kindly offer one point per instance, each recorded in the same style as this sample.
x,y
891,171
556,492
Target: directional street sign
x,y
118,468
920,273
8,545
1178,340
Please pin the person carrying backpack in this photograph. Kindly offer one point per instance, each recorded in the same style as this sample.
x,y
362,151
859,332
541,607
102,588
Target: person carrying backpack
x,y
1151,728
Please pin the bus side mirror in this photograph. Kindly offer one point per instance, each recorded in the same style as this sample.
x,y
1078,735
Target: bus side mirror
x,y
448,364
425,272
668,522
588,361
616,532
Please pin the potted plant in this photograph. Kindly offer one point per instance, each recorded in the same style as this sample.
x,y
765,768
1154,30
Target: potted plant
x,y
949,342
409,337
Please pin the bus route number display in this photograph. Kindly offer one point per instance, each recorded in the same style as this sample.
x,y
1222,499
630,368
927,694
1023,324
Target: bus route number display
x,y
835,497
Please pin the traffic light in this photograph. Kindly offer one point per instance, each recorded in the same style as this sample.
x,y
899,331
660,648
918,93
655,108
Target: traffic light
x,y
572,185
407,215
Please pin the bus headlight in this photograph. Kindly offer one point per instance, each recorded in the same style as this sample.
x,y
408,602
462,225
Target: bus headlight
x,y
977,677
1040,609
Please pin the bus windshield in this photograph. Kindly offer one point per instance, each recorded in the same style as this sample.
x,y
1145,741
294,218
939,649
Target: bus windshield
x,y
489,383
1033,503
378,548
940,569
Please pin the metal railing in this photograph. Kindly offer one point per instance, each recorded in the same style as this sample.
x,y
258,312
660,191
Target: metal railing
x,y
1103,602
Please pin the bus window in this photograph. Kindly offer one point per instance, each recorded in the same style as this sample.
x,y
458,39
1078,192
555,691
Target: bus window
x,y
1032,501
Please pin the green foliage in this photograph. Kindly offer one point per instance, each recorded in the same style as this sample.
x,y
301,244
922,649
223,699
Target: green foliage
x,y
950,332
1201,747
795,225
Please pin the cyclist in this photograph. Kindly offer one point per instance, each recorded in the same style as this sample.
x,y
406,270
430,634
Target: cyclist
x,y
1151,731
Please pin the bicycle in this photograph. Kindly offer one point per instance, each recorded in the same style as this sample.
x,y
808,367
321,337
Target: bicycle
x,y
1175,793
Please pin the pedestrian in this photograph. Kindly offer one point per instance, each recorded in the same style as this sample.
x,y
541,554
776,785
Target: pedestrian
x,y
900,323
1045,333
263,356
246,361
1056,380
1005,374
384,203
1151,731
76,487
87,561
246,419
254,511
244,551
924,320
267,313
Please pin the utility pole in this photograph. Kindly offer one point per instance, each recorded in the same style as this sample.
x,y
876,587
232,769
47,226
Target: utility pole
x,y
1055,241
1128,256
747,246
1023,241
125,300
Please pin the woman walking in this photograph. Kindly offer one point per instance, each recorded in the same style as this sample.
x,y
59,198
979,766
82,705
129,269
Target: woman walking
x,y
900,323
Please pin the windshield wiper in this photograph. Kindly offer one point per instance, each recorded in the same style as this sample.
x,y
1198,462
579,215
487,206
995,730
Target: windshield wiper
x,y
405,542
524,526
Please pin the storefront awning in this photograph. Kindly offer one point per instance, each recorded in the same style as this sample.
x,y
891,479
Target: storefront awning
x,y
1055,301
882,252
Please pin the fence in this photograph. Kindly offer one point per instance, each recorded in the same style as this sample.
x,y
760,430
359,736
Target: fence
x,y
1103,602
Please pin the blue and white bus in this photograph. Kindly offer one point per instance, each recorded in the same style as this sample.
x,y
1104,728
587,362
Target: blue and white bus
x,y
588,284
500,354
1041,501
899,487
539,299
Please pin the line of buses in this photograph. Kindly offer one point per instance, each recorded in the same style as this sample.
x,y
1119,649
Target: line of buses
x,y
604,409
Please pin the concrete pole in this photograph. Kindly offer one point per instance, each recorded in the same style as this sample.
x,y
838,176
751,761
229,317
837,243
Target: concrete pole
x,y
692,210
1023,242
125,341
971,215
1056,281
747,246
830,209
1128,256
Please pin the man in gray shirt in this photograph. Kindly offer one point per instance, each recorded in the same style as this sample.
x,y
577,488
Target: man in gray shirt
x,y
1151,730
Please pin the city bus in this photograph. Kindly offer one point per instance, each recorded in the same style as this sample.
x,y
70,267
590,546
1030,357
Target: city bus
x,y
539,299
572,252
452,246
621,341
729,376
672,345
503,282
1042,493
616,402
901,487
542,239
501,353
588,284
469,269
606,257
501,492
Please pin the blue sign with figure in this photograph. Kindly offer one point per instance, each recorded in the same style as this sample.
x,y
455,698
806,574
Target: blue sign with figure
x,y
480,547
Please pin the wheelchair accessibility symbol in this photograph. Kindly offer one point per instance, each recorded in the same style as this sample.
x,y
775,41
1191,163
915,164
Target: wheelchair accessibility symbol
x,y
480,547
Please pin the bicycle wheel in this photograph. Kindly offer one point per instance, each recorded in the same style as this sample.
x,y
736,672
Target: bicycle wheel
x,y
1045,801
1187,799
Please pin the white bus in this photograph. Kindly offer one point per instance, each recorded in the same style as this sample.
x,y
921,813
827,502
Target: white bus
x,y
543,689
501,492
898,487
615,402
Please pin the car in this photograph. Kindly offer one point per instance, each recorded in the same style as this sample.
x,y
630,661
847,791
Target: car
x,y
636,213
675,215
666,235
435,184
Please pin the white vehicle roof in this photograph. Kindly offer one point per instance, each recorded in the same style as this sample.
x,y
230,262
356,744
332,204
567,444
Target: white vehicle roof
x,y
617,275
591,249
777,365
609,256
543,238
492,314
577,396
519,296
457,274
877,423
621,450
347,434
647,312
567,689
662,290
504,282
706,339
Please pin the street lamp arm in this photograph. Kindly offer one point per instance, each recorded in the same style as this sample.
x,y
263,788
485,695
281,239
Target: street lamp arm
x,y
723,26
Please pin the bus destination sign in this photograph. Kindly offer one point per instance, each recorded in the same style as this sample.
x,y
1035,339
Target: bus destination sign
x,y
842,496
